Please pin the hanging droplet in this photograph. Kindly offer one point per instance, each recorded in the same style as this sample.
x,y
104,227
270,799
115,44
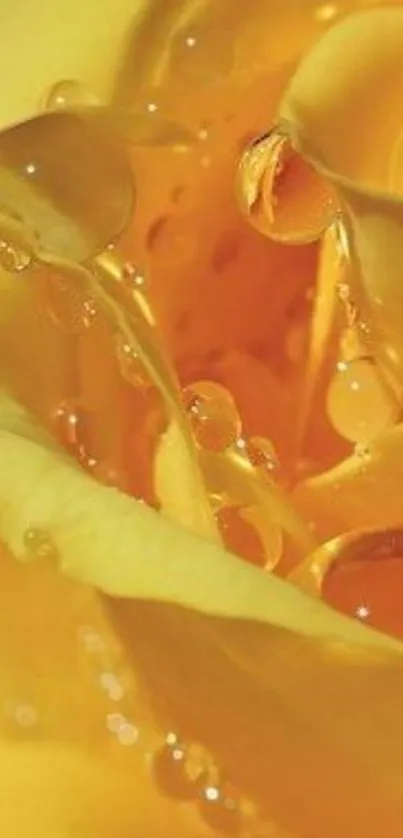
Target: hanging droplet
x,y
131,367
74,429
359,404
262,454
171,774
69,94
221,812
281,194
240,536
13,259
213,414
38,544
68,308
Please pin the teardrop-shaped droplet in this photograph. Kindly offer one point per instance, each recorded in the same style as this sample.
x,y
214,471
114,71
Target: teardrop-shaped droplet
x,y
262,454
359,404
281,194
213,414
131,367
74,429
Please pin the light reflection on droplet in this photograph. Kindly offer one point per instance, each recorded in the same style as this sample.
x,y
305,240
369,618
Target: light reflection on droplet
x,y
130,365
13,259
25,715
127,734
74,429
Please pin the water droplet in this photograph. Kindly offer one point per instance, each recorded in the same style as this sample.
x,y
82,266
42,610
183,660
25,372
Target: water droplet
x,y
68,94
13,259
38,544
133,278
131,367
359,405
68,308
70,180
213,414
281,194
74,429
262,454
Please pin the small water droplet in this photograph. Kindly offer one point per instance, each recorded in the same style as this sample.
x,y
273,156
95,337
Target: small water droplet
x,y
67,94
262,454
38,544
92,641
213,414
74,429
13,259
280,193
130,365
66,306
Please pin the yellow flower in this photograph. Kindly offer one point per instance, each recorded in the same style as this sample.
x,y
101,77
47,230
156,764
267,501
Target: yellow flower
x,y
300,705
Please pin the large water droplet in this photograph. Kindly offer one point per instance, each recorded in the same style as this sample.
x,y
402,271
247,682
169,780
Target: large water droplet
x,y
214,416
281,194
69,182
359,404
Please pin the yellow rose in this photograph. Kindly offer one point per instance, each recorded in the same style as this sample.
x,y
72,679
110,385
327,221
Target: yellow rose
x,y
299,705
